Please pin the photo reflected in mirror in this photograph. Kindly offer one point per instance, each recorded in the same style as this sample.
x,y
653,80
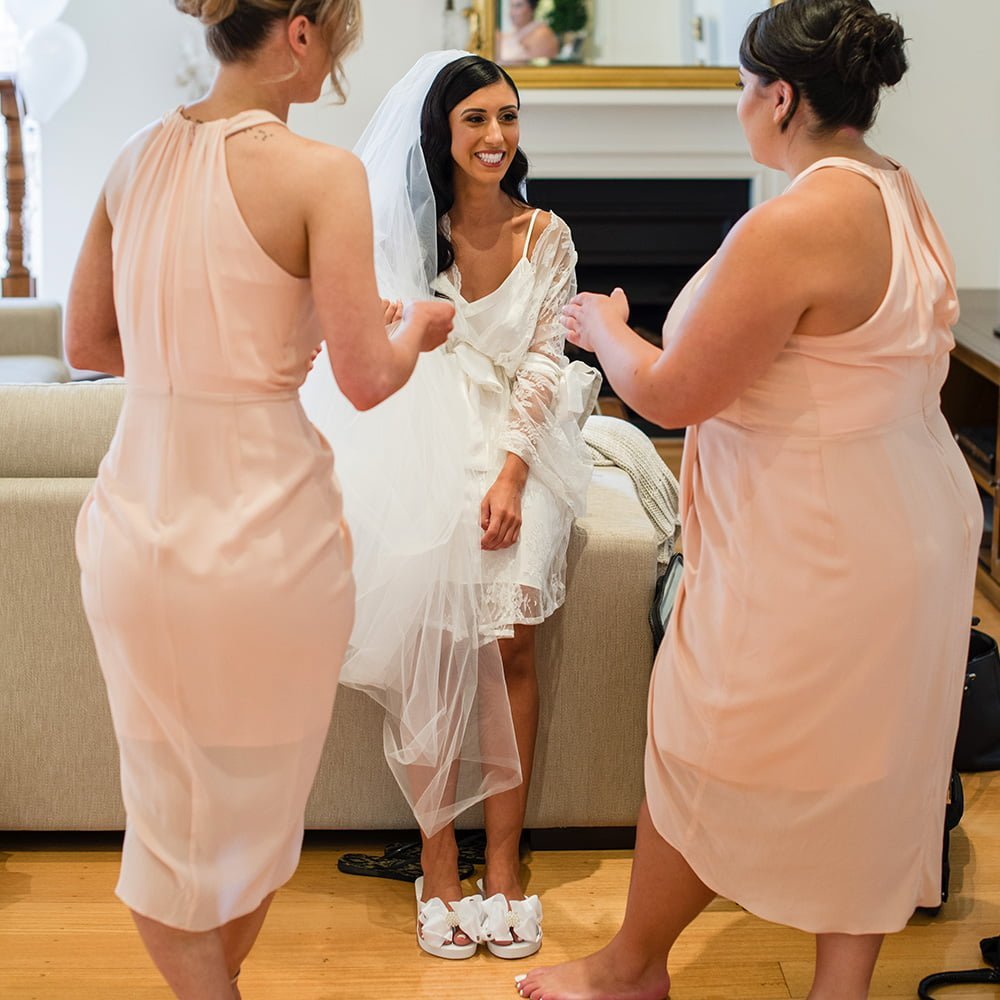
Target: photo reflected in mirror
x,y
622,32
542,31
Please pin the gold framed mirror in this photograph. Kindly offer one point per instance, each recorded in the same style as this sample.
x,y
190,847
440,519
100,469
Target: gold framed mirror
x,y
605,51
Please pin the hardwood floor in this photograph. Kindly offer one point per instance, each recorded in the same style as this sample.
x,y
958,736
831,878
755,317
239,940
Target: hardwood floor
x,y
63,935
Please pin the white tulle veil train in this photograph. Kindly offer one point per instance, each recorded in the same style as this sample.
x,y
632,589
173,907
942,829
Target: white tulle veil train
x,y
416,646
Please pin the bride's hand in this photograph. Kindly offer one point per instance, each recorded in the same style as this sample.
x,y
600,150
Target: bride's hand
x,y
393,311
500,515
587,317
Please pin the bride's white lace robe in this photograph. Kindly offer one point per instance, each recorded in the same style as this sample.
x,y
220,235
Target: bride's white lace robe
x,y
526,398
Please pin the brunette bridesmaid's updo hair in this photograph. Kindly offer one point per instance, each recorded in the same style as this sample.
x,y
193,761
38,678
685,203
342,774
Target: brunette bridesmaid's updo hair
x,y
839,54
236,29
451,86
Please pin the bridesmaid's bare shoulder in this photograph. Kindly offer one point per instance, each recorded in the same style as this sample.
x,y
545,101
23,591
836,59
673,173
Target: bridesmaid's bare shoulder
x,y
293,155
300,171
829,211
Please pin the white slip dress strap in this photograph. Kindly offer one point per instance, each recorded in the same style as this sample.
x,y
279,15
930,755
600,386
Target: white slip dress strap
x,y
531,229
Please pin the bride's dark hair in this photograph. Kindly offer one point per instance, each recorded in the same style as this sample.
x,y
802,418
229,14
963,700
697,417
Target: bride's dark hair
x,y
451,86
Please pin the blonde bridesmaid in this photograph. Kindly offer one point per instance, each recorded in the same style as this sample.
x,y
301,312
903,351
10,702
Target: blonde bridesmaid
x,y
216,567
805,700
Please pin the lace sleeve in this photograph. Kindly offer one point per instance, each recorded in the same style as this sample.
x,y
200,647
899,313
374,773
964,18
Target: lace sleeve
x,y
536,384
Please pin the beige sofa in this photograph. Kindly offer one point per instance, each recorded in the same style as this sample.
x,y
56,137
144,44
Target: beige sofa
x,y
31,342
58,759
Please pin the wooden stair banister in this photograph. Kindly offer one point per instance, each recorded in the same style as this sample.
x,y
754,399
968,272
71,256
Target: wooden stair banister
x,y
18,281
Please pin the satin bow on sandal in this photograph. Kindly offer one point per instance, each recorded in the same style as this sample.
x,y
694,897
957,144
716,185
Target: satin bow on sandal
x,y
437,923
506,919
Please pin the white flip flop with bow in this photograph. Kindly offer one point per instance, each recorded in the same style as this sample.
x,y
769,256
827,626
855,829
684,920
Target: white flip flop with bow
x,y
503,918
437,923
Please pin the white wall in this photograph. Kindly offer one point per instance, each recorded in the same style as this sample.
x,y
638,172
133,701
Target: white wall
x,y
943,122
637,32
135,50
724,23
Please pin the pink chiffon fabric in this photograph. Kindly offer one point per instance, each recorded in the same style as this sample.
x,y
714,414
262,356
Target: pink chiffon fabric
x,y
805,700
216,567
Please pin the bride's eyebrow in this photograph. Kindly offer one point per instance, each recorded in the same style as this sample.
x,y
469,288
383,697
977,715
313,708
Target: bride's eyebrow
x,y
483,111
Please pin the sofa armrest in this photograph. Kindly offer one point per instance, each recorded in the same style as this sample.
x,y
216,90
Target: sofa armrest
x,y
30,326
57,431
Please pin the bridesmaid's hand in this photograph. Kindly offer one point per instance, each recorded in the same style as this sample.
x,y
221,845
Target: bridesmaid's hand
x,y
588,317
431,320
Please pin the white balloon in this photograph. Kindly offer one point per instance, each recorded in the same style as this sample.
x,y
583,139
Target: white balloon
x,y
53,64
30,15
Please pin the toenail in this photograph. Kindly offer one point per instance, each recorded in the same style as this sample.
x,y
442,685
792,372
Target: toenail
x,y
521,978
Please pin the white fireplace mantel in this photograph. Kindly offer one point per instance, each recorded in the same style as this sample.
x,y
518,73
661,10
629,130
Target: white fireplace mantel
x,y
641,133
644,97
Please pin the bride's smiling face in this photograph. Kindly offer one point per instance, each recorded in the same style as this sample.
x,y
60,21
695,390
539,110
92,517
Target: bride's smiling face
x,y
485,131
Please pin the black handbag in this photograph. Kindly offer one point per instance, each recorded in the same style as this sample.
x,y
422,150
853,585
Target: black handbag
x,y
953,813
978,745
990,947
976,749
664,597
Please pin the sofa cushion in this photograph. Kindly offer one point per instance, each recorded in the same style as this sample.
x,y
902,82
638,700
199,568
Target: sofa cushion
x,y
26,368
57,431
30,326
58,757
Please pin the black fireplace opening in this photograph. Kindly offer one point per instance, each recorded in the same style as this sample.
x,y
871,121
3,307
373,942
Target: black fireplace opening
x,y
649,236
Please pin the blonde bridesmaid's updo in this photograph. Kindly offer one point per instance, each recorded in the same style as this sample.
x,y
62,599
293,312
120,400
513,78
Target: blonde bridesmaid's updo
x,y
236,29
209,12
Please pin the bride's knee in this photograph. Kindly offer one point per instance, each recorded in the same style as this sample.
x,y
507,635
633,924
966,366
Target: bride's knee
x,y
518,654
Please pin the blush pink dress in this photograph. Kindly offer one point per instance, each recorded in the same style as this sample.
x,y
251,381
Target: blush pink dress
x,y
216,568
805,700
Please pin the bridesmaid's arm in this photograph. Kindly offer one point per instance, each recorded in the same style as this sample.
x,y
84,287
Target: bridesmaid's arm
x,y
742,316
92,340
368,365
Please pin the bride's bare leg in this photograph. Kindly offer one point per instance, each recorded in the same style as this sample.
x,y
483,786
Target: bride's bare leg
x,y
439,861
504,813
664,896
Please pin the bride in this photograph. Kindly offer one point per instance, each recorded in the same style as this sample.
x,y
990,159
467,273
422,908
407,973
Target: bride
x,y
462,489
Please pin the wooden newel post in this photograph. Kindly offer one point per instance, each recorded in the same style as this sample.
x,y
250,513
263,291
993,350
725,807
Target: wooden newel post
x,y
18,282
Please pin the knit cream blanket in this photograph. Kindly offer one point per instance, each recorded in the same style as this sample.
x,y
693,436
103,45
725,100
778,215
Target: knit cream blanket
x,y
617,442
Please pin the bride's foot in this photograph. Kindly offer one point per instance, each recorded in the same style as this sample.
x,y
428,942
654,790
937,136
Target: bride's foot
x,y
513,923
441,882
447,896
449,930
598,977
505,879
